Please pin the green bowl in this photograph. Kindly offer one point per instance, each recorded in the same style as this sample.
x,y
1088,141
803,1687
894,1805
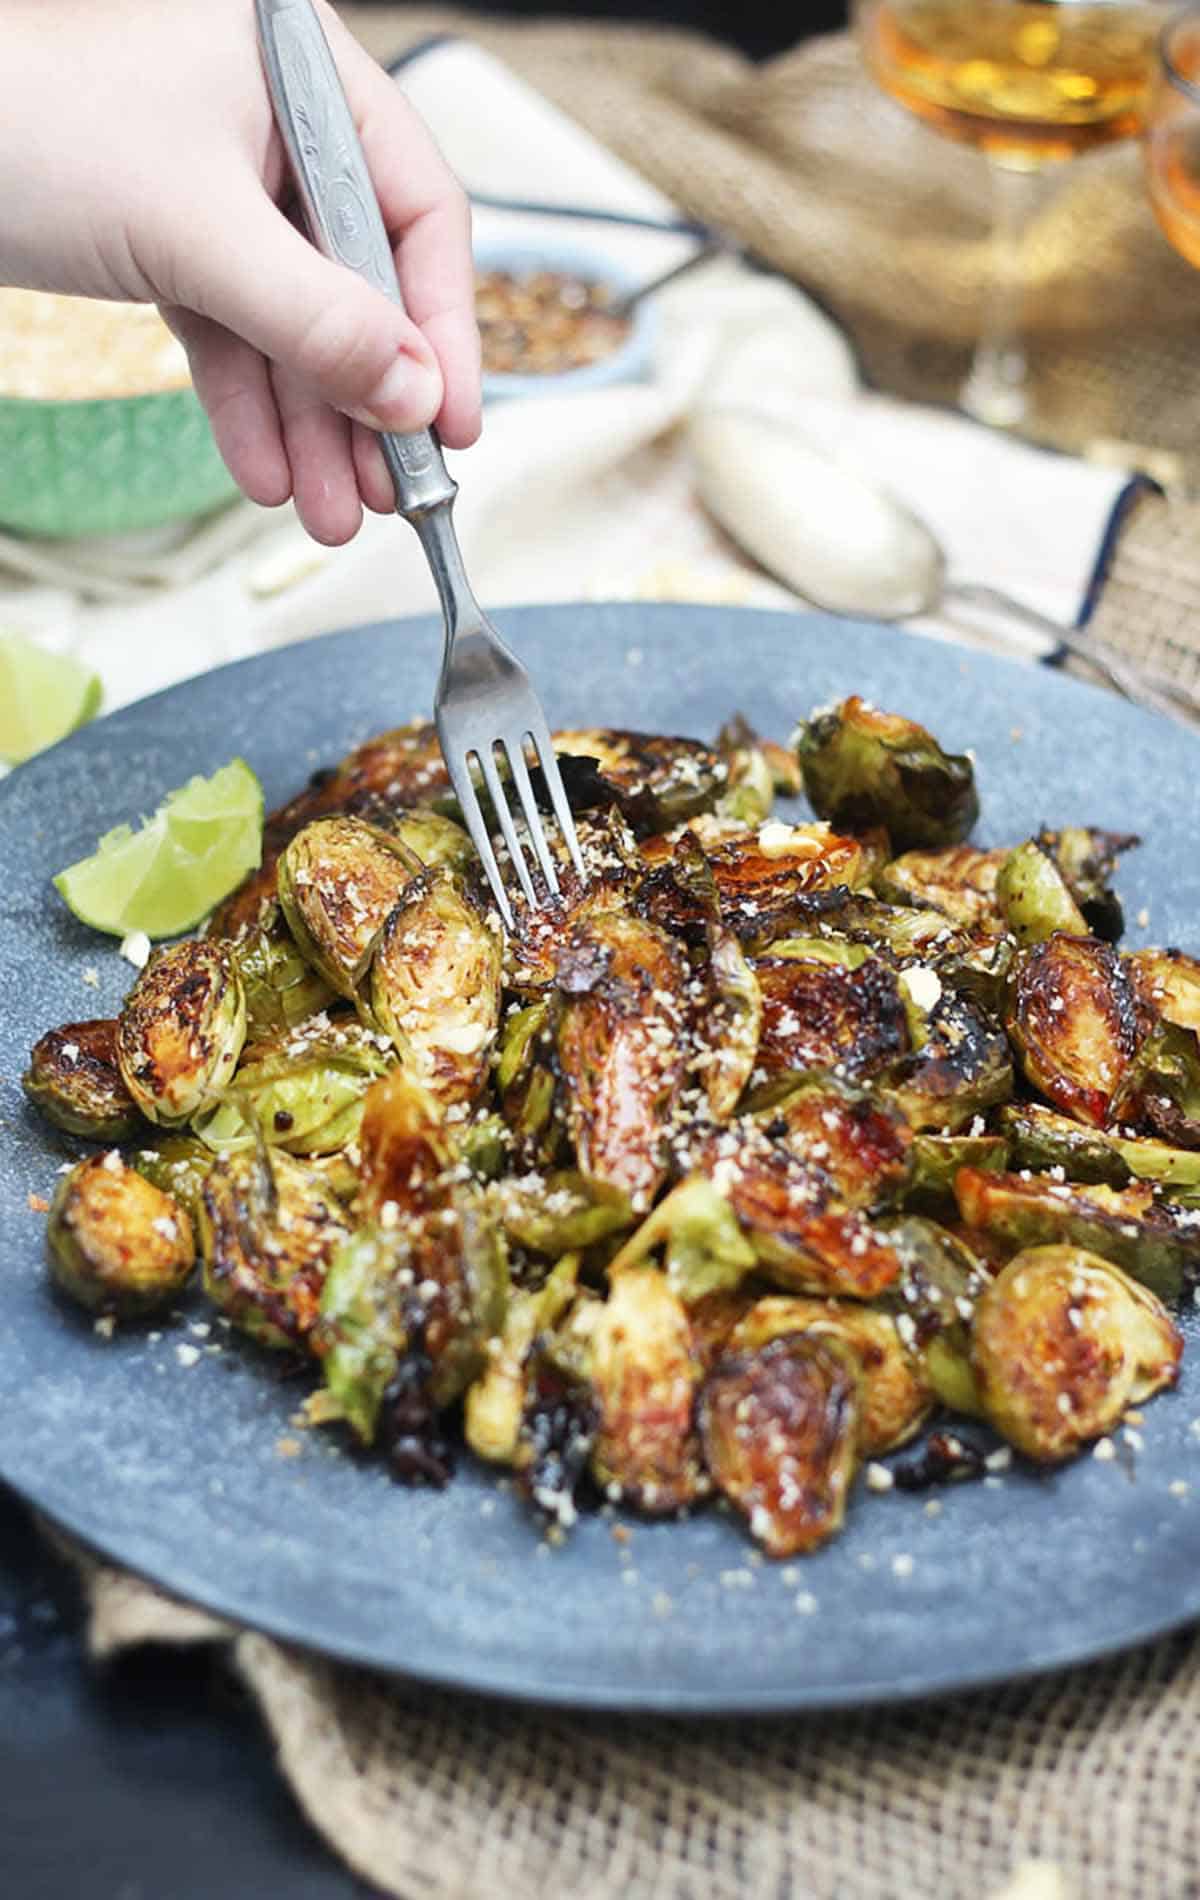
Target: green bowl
x,y
109,466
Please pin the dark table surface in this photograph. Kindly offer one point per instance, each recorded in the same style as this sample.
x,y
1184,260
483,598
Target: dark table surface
x,y
150,1778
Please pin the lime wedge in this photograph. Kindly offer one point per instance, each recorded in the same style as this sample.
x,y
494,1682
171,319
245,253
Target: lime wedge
x,y
43,697
165,876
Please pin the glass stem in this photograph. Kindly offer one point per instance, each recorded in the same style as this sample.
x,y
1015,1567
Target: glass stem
x,y
997,388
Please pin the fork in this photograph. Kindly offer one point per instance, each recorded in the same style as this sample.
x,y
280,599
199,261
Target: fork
x,y
485,707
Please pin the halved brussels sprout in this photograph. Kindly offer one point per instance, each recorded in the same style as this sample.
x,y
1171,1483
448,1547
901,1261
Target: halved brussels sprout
x,y
435,987
282,990
181,1030
895,1393
339,879
1076,1024
1158,1243
780,1431
864,767
819,1014
406,1158
643,1372
1087,860
806,1239
302,1092
527,1084
496,1401
730,1024
750,787
864,1145
704,1249
177,1164
933,1304
438,841
1034,898
556,1213
772,880
74,1079
117,1243
619,1047
408,1309
1041,1139
1064,1343
959,880
1168,983
656,781
269,1227
960,1064
937,1159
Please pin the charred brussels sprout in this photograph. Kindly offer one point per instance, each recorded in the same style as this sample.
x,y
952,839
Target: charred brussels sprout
x,y
863,1144
1168,984
282,990
863,767
1087,860
556,1213
750,787
895,1393
959,880
302,1092
181,1030
406,1156
1158,1243
1039,1138
704,1251
933,1304
496,1401
656,781
339,879
435,987
822,1014
1076,1024
1064,1343
780,1430
1034,897
117,1243
269,1227
74,1079
960,1063
937,1159
619,1048
527,1084
773,880
438,841
179,1165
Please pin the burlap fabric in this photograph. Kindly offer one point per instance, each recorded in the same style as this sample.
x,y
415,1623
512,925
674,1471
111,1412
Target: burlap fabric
x,y
1079,1786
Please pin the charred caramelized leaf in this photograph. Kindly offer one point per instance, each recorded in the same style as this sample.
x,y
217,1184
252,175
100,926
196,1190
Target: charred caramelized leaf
x,y
767,880
1034,897
527,1084
934,1301
619,1047
703,1248
117,1243
1041,1139
895,1394
269,1227
302,1092
820,1015
435,987
1168,984
496,1401
656,781
1076,1024
960,1064
959,880
406,1155
74,1079
339,879
1064,1343
937,1159
556,1213
1157,1243
862,1144
181,1030
1087,861
864,767
780,1430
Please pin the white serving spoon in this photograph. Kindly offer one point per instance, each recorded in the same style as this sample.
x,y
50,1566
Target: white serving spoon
x,y
854,549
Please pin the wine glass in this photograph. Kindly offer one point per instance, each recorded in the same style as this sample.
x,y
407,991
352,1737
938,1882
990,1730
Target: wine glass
x,y
1172,144
1028,83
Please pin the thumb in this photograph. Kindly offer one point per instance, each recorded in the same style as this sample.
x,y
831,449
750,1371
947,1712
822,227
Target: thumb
x,y
319,320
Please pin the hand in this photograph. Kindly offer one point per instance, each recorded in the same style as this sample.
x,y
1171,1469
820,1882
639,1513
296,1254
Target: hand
x,y
141,161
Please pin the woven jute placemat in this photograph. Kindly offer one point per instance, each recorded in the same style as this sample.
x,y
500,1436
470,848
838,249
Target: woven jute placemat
x,y
1078,1786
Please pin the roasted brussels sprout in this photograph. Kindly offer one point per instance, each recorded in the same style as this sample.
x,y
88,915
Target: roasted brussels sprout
x,y
1034,898
1157,1243
302,1092
74,1079
819,1014
861,1143
780,1431
181,1030
643,1371
1040,1139
895,1393
619,1049
960,1063
527,1084
933,1302
282,990
750,787
1087,860
1063,1344
406,1157
937,1159
339,879
556,1213
496,1401
959,880
269,1227
864,767
703,1249
438,841
657,782
117,1243
1168,984
772,881
435,987
1076,1024
178,1164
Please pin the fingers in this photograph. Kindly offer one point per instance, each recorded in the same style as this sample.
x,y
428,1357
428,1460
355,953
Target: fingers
x,y
324,480
231,381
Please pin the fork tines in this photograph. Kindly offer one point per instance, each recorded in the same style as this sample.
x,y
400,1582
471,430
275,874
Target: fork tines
x,y
506,753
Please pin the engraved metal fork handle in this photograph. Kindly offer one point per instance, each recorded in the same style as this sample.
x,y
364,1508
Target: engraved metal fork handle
x,y
341,208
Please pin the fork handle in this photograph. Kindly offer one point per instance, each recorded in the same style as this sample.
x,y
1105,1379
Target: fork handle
x,y
341,207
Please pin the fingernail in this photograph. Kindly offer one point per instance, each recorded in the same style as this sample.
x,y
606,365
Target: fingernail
x,y
407,398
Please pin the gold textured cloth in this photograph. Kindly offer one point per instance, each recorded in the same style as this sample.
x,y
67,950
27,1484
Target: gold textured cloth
x,y
1075,1787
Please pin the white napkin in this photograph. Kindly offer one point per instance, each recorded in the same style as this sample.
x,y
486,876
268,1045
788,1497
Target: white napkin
x,y
580,496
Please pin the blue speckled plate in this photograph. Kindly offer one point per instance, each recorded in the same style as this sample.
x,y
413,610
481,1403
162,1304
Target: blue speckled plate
x,y
174,1469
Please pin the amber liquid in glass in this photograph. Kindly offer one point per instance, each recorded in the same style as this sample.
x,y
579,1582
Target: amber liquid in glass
x,y
1023,82
1173,152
